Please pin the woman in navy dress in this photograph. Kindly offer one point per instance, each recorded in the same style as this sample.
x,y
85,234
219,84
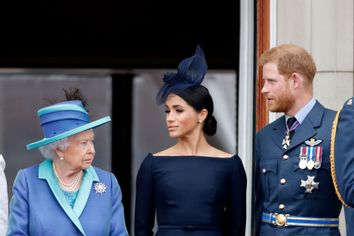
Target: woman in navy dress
x,y
193,187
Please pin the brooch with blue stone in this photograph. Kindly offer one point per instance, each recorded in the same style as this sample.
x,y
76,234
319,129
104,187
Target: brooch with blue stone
x,y
100,188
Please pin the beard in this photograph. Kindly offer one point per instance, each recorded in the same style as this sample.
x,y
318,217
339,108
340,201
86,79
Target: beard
x,y
283,103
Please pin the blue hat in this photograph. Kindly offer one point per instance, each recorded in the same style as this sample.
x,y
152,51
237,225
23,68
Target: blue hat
x,y
64,119
190,72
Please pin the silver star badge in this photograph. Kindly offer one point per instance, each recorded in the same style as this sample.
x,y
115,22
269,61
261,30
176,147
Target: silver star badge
x,y
309,184
100,188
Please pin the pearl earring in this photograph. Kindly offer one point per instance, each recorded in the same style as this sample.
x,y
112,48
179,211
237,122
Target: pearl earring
x,y
61,158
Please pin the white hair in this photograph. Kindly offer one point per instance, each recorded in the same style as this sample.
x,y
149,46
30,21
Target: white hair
x,y
48,151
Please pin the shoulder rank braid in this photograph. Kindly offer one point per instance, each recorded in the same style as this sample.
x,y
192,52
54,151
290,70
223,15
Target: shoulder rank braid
x,y
331,156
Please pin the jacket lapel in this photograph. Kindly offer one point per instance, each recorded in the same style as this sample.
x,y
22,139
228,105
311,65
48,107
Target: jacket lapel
x,y
279,131
307,129
45,172
89,177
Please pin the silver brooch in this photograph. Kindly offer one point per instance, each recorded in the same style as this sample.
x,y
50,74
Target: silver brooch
x,y
100,187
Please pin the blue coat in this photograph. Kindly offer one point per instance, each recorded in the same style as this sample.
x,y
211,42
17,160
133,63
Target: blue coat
x,y
278,176
39,207
344,160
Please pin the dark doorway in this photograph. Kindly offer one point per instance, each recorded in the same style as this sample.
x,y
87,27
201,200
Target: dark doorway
x,y
117,34
122,137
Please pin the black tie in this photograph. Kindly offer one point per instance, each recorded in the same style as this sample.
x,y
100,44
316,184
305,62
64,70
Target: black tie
x,y
291,121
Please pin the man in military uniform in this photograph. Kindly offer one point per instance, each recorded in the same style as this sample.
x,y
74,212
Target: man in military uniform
x,y
342,160
294,190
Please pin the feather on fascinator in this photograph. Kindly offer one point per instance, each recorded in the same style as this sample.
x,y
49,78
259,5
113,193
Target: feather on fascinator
x,y
190,72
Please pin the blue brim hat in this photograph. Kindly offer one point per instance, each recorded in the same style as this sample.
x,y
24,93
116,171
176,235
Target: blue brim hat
x,y
62,120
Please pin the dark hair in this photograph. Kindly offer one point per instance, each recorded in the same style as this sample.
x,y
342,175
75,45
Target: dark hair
x,y
199,98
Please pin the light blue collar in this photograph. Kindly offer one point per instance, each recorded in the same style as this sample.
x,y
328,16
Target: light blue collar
x,y
303,112
45,171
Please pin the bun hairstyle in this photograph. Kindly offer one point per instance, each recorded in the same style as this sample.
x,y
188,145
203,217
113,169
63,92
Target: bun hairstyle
x,y
186,83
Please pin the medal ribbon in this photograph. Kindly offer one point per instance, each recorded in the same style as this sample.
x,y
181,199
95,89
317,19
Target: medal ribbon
x,y
303,151
291,125
294,125
318,155
311,153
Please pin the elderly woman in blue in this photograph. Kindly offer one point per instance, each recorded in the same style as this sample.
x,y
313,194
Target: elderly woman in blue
x,y
65,195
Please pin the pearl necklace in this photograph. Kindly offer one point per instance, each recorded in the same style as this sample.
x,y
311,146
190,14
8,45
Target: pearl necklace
x,y
70,187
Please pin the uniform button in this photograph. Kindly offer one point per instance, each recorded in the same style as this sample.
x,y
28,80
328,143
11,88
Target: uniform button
x,y
285,157
283,181
281,207
264,171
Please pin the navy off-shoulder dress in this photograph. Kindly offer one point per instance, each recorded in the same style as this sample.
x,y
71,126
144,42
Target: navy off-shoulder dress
x,y
191,195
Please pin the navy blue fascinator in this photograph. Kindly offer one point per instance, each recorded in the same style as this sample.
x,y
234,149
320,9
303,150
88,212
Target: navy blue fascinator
x,y
190,72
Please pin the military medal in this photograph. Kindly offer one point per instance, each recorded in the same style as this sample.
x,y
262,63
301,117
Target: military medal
x,y
309,184
286,140
313,153
303,158
291,125
318,157
310,162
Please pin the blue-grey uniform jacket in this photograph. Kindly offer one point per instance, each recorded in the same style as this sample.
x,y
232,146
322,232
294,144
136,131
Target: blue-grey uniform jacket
x,y
344,160
279,177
